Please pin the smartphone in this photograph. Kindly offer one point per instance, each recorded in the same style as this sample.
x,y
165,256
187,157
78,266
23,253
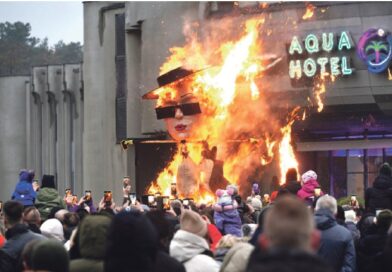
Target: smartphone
x,y
107,197
87,195
68,192
185,202
165,203
132,198
151,199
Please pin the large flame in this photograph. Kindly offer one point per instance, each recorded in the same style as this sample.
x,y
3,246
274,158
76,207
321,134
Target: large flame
x,y
239,117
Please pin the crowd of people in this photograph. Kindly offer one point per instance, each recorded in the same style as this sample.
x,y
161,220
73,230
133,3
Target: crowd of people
x,y
297,227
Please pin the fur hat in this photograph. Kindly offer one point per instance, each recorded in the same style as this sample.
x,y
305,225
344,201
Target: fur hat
x,y
50,255
192,222
309,175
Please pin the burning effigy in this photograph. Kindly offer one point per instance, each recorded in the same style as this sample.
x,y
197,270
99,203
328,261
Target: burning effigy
x,y
217,107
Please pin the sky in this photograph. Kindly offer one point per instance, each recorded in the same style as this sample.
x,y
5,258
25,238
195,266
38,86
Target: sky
x,y
56,20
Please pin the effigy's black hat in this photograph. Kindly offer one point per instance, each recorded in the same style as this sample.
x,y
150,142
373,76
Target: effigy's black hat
x,y
172,77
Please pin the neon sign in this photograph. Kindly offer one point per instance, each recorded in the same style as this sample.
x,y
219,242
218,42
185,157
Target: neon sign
x,y
315,63
375,49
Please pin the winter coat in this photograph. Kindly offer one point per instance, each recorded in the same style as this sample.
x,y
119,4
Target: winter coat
x,y
236,259
336,244
165,263
24,193
92,244
17,237
352,227
288,261
380,195
291,187
307,190
192,250
214,236
48,198
228,222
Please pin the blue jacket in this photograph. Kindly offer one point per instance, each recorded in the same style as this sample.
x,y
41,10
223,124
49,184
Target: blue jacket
x,y
336,245
24,193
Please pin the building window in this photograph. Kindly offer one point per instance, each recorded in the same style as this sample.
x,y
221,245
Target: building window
x,y
121,84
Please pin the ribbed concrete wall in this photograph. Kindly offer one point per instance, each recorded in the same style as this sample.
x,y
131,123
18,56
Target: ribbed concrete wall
x,y
13,147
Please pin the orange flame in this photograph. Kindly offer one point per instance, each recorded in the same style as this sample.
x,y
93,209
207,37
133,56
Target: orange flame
x,y
309,12
238,117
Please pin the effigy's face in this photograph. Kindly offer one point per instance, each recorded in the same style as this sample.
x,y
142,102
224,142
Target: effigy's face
x,y
180,115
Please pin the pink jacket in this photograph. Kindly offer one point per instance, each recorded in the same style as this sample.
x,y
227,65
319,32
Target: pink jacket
x,y
307,189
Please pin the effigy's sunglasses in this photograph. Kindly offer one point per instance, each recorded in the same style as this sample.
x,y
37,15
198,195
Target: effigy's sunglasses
x,y
170,111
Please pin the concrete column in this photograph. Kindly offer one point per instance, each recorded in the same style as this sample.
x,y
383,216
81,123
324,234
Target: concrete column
x,y
12,132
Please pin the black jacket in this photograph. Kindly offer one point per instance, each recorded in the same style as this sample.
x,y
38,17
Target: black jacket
x,y
380,195
287,261
17,237
291,187
336,245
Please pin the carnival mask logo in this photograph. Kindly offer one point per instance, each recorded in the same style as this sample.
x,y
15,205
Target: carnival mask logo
x,y
375,49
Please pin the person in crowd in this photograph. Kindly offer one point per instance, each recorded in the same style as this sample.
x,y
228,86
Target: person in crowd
x,y
26,257
24,192
373,242
291,185
53,229
17,235
48,197
32,218
351,224
132,244
92,244
189,245
337,244
236,259
226,216
165,232
50,255
310,189
340,216
289,240
213,233
382,262
70,222
257,205
266,200
379,196
254,239
126,188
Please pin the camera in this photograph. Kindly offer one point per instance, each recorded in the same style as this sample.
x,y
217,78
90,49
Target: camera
x,y
107,197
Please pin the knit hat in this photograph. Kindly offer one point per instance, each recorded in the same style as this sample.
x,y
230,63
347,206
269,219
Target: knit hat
x,y
24,174
52,228
48,181
256,188
192,222
385,169
310,175
50,255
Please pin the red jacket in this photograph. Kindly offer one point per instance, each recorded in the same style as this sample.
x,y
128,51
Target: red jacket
x,y
214,235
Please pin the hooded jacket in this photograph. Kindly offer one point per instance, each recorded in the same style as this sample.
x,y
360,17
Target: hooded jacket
x,y
380,195
24,191
336,244
48,198
307,189
190,250
92,244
